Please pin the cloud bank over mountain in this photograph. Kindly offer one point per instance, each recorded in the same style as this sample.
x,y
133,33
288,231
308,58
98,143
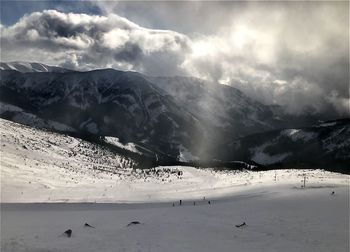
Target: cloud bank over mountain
x,y
83,41
291,54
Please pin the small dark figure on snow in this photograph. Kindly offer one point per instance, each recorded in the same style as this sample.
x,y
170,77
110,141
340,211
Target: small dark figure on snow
x,y
133,223
241,225
194,203
333,193
88,225
180,202
209,202
68,232
173,204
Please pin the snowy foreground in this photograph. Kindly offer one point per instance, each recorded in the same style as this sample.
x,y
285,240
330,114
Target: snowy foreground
x,y
38,168
280,215
278,218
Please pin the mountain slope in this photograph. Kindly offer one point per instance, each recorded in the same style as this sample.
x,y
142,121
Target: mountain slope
x,y
223,110
325,145
39,165
28,67
172,117
136,108
103,102
42,166
226,112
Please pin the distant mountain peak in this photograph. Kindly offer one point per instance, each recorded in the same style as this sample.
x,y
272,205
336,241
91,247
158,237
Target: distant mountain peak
x,y
29,67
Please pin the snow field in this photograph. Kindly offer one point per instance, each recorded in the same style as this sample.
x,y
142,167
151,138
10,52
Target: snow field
x,y
294,220
39,166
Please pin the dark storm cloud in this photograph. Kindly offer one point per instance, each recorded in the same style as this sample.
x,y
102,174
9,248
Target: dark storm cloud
x,y
295,54
130,53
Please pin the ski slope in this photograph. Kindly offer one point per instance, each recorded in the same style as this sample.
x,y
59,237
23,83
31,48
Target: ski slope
x,y
277,220
39,167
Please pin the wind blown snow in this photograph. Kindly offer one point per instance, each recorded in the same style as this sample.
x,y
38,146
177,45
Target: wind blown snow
x,y
115,141
298,134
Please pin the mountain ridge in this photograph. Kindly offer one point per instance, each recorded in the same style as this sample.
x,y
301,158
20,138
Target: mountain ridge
x,y
325,145
25,67
170,116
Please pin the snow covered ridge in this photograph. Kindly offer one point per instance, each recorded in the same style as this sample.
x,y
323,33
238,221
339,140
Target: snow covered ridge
x,y
173,112
261,156
31,147
20,116
29,67
52,162
177,118
327,124
106,103
326,146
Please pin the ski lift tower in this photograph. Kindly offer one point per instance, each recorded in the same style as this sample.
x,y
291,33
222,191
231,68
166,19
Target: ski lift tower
x,y
304,180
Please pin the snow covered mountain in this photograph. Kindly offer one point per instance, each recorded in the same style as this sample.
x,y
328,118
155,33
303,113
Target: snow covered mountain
x,y
45,162
325,145
225,110
181,117
103,103
28,67
171,118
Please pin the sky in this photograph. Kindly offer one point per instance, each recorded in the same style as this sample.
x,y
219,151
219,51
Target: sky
x,y
294,54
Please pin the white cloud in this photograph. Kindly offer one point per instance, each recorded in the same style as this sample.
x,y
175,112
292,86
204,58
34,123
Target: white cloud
x,y
292,54
90,41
